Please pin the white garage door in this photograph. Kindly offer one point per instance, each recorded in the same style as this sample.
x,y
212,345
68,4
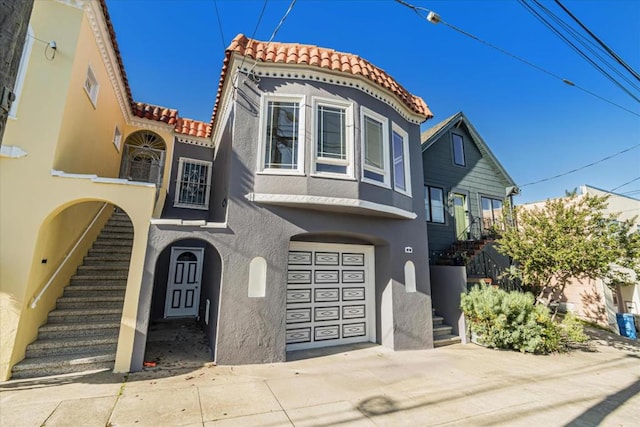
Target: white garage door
x,y
330,295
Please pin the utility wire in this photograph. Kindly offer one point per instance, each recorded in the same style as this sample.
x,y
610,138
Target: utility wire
x,y
582,167
253,35
607,48
592,47
626,183
568,82
581,53
275,31
224,44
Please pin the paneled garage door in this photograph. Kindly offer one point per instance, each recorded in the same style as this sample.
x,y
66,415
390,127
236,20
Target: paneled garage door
x,y
330,295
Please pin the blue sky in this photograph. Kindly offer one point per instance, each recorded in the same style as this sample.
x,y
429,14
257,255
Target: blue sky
x,y
536,126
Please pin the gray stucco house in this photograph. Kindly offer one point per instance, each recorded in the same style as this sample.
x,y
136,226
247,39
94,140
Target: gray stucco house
x,y
302,224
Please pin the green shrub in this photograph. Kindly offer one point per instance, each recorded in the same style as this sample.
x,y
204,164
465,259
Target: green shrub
x,y
512,320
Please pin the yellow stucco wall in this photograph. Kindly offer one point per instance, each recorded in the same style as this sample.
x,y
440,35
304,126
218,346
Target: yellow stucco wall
x,y
42,215
85,143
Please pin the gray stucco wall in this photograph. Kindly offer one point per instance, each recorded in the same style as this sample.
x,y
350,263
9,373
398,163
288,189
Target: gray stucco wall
x,y
252,330
448,283
478,178
192,152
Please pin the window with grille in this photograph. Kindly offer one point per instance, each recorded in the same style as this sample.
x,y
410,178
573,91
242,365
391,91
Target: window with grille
x,y
282,135
193,184
334,138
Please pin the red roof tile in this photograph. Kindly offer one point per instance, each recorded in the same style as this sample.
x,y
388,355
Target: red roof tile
x,y
293,53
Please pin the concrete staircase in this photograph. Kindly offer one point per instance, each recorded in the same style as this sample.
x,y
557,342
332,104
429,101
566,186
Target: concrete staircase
x,y
82,332
442,335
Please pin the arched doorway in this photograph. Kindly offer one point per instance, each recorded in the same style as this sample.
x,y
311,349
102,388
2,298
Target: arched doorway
x,y
184,305
143,157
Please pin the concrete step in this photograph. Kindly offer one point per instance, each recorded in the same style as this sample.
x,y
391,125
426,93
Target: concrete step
x,y
71,330
77,315
56,365
437,320
121,261
444,340
109,268
112,279
441,330
126,235
109,250
118,226
94,291
59,347
90,301
103,242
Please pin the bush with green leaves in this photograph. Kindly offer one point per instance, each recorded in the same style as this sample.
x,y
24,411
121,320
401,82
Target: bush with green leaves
x,y
512,320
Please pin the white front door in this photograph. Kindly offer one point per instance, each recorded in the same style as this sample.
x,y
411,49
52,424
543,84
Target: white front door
x,y
183,285
330,295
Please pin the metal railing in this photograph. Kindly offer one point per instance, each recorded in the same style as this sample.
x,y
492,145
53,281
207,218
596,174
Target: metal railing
x,y
34,301
482,228
484,265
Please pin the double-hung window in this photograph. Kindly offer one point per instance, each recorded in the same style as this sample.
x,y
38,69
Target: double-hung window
x,y
401,171
334,138
375,148
282,135
193,184
491,212
458,149
434,204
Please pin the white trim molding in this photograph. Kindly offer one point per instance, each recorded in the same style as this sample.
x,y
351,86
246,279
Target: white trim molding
x,y
189,223
99,179
98,25
194,141
331,203
311,73
11,152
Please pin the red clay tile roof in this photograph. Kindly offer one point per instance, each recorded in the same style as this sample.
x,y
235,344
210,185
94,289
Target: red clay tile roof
x,y
329,59
170,116
153,112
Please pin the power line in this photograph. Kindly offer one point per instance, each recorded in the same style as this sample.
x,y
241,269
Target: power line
x,y
275,31
628,182
581,167
607,48
435,18
255,30
224,44
575,48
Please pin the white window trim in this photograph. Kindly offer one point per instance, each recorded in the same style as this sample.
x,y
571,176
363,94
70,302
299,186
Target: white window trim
x,y
93,93
386,172
405,158
117,138
181,162
349,137
22,72
264,101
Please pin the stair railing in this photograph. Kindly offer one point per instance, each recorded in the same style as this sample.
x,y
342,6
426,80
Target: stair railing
x,y
34,301
483,264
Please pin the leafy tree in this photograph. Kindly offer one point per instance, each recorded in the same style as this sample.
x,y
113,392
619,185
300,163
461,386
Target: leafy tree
x,y
571,237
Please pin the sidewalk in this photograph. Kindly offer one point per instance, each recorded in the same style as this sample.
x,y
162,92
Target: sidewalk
x,y
359,386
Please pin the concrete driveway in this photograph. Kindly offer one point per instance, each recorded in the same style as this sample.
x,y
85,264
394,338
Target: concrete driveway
x,y
354,386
